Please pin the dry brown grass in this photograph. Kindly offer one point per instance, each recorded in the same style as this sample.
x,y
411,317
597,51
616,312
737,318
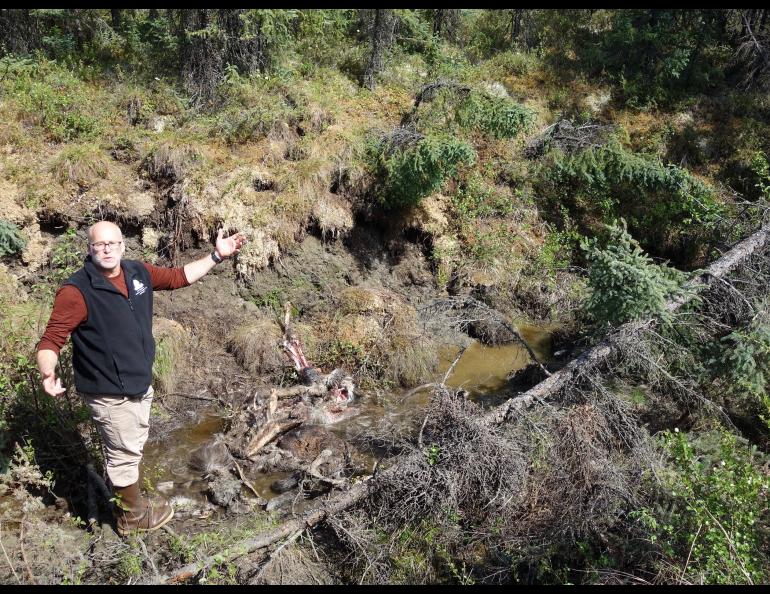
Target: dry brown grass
x,y
429,216
355,300
167,163
10,289
384,332
360,331
11,206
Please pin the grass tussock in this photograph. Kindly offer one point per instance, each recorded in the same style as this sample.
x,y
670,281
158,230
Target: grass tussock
x,y
256,346
375,334
171,341
167,163
79,166
333,216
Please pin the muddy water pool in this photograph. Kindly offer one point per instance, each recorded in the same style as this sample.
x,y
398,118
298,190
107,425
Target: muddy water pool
x,y
481,370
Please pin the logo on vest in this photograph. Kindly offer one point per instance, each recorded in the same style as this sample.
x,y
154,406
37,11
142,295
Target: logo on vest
x,y
139,288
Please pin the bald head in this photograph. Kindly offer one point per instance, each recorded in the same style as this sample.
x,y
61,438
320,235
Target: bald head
x,y
104,228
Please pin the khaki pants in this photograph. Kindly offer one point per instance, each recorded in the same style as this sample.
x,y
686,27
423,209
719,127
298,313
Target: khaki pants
x,y
123,424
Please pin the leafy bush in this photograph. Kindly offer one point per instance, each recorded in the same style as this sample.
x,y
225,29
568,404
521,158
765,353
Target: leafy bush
x,y
712,510
658,55
625,284
66,257
488,32
497,116
10,240
476,199
510,63
413,171
321,37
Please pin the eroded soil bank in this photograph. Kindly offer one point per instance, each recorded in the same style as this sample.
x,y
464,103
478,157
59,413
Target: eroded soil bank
x,y
221,360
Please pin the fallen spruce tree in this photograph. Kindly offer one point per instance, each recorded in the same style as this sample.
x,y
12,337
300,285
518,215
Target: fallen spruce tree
x,y
548,486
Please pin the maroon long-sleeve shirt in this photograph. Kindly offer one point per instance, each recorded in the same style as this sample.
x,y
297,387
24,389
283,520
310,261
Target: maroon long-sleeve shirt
x,y
70,310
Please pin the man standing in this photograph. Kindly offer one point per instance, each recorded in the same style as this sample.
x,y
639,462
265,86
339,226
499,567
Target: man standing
x,y
107,307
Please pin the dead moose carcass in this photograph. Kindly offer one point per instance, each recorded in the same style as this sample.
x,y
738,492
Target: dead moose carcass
x,y
284,432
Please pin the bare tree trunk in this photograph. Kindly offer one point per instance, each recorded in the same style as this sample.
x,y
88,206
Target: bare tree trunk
x,y
439,16
517,14
117,18
445,21
201,62
247,53
761,61
382,37
311,518
18,31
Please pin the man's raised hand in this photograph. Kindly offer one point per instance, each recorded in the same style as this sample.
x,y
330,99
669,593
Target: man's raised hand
x,y
228,246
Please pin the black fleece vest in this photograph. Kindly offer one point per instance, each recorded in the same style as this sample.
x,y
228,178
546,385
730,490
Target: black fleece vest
x,y
113,350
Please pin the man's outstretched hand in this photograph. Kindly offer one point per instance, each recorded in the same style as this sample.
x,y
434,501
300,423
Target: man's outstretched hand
x,y
52,384
229,246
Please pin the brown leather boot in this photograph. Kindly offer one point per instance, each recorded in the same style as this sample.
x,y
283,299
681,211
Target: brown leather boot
x,y
135,513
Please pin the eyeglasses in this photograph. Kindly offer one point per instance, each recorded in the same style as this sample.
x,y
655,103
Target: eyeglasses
x,y
100,245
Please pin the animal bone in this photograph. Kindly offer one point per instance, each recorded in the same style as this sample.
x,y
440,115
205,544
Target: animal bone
x,y
267,433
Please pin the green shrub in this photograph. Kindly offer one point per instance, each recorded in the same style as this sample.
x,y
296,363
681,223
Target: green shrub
x,y
321,37
454,108
712,511
746,360
497,116
510,63
10,240
488,33
625,284
52,97
657,56
411,172
476,199
66,257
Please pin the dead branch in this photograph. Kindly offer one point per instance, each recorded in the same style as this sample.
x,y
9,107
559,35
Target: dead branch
x,y
24,554
245,481
761,58
400,139
474,312
7,558
567,137
309,519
